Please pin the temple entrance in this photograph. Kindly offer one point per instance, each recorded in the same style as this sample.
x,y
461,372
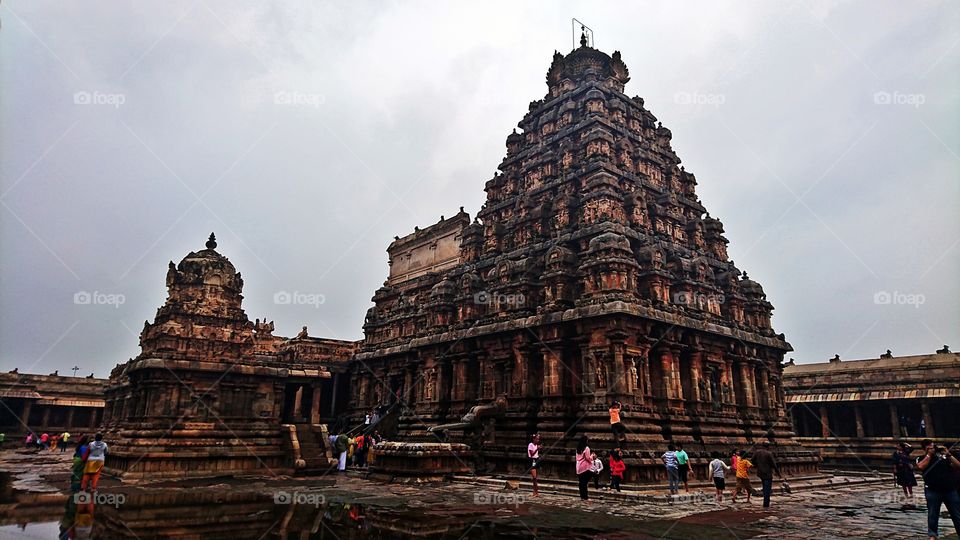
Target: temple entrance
x,y
297,402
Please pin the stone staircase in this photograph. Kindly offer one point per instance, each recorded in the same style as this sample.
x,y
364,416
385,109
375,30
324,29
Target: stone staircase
x,y
309,448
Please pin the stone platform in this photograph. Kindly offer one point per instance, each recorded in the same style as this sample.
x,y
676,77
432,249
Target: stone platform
x,y
351,506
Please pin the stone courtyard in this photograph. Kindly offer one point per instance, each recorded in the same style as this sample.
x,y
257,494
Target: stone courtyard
x,y
351,506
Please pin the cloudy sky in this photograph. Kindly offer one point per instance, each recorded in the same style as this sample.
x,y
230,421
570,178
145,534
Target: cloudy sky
x,y
824,135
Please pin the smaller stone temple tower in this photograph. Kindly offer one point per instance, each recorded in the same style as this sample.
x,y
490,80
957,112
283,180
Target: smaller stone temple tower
x,y
212,393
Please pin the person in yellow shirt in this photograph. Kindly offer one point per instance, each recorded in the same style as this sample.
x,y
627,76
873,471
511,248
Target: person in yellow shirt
x,y
743,476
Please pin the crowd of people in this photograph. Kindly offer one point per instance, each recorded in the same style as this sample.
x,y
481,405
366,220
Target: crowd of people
x,y
354,450
46,441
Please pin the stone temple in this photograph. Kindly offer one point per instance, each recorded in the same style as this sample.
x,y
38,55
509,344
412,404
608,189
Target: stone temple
x,y
592,273
212,393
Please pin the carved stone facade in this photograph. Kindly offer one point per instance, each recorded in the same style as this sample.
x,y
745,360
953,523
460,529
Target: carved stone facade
x,y
854,411
592,273
211,392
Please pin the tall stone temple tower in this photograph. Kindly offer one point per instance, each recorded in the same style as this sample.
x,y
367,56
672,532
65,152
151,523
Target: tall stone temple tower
x,y
592,273
212,393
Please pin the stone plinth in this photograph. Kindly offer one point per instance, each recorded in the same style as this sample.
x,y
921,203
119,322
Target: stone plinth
x,y
420,462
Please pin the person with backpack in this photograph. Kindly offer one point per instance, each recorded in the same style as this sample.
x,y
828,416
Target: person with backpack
x,y
584,461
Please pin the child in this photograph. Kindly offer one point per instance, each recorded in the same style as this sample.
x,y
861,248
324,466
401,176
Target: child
x,y
617,466
743,476
716,471
596,469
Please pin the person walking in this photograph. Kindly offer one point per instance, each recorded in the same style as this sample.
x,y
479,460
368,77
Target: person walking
x,y
29,440
717,470
617,468
903,465
45,440
670,462
939,487
616,426
584,465
766,465
743,476
340,445
533,454
64,440
78,462
683,467
96,455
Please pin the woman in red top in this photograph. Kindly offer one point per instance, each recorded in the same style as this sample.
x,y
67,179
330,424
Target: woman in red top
x,y
617,466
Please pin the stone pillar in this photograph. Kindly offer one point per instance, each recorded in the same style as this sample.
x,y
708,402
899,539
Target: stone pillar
x,y
69,424
551,373
45,423
333,395
696,376
824,423
93,419
858,416
765,400
928,419
746,378
315,404
895,421
25,413
666,361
